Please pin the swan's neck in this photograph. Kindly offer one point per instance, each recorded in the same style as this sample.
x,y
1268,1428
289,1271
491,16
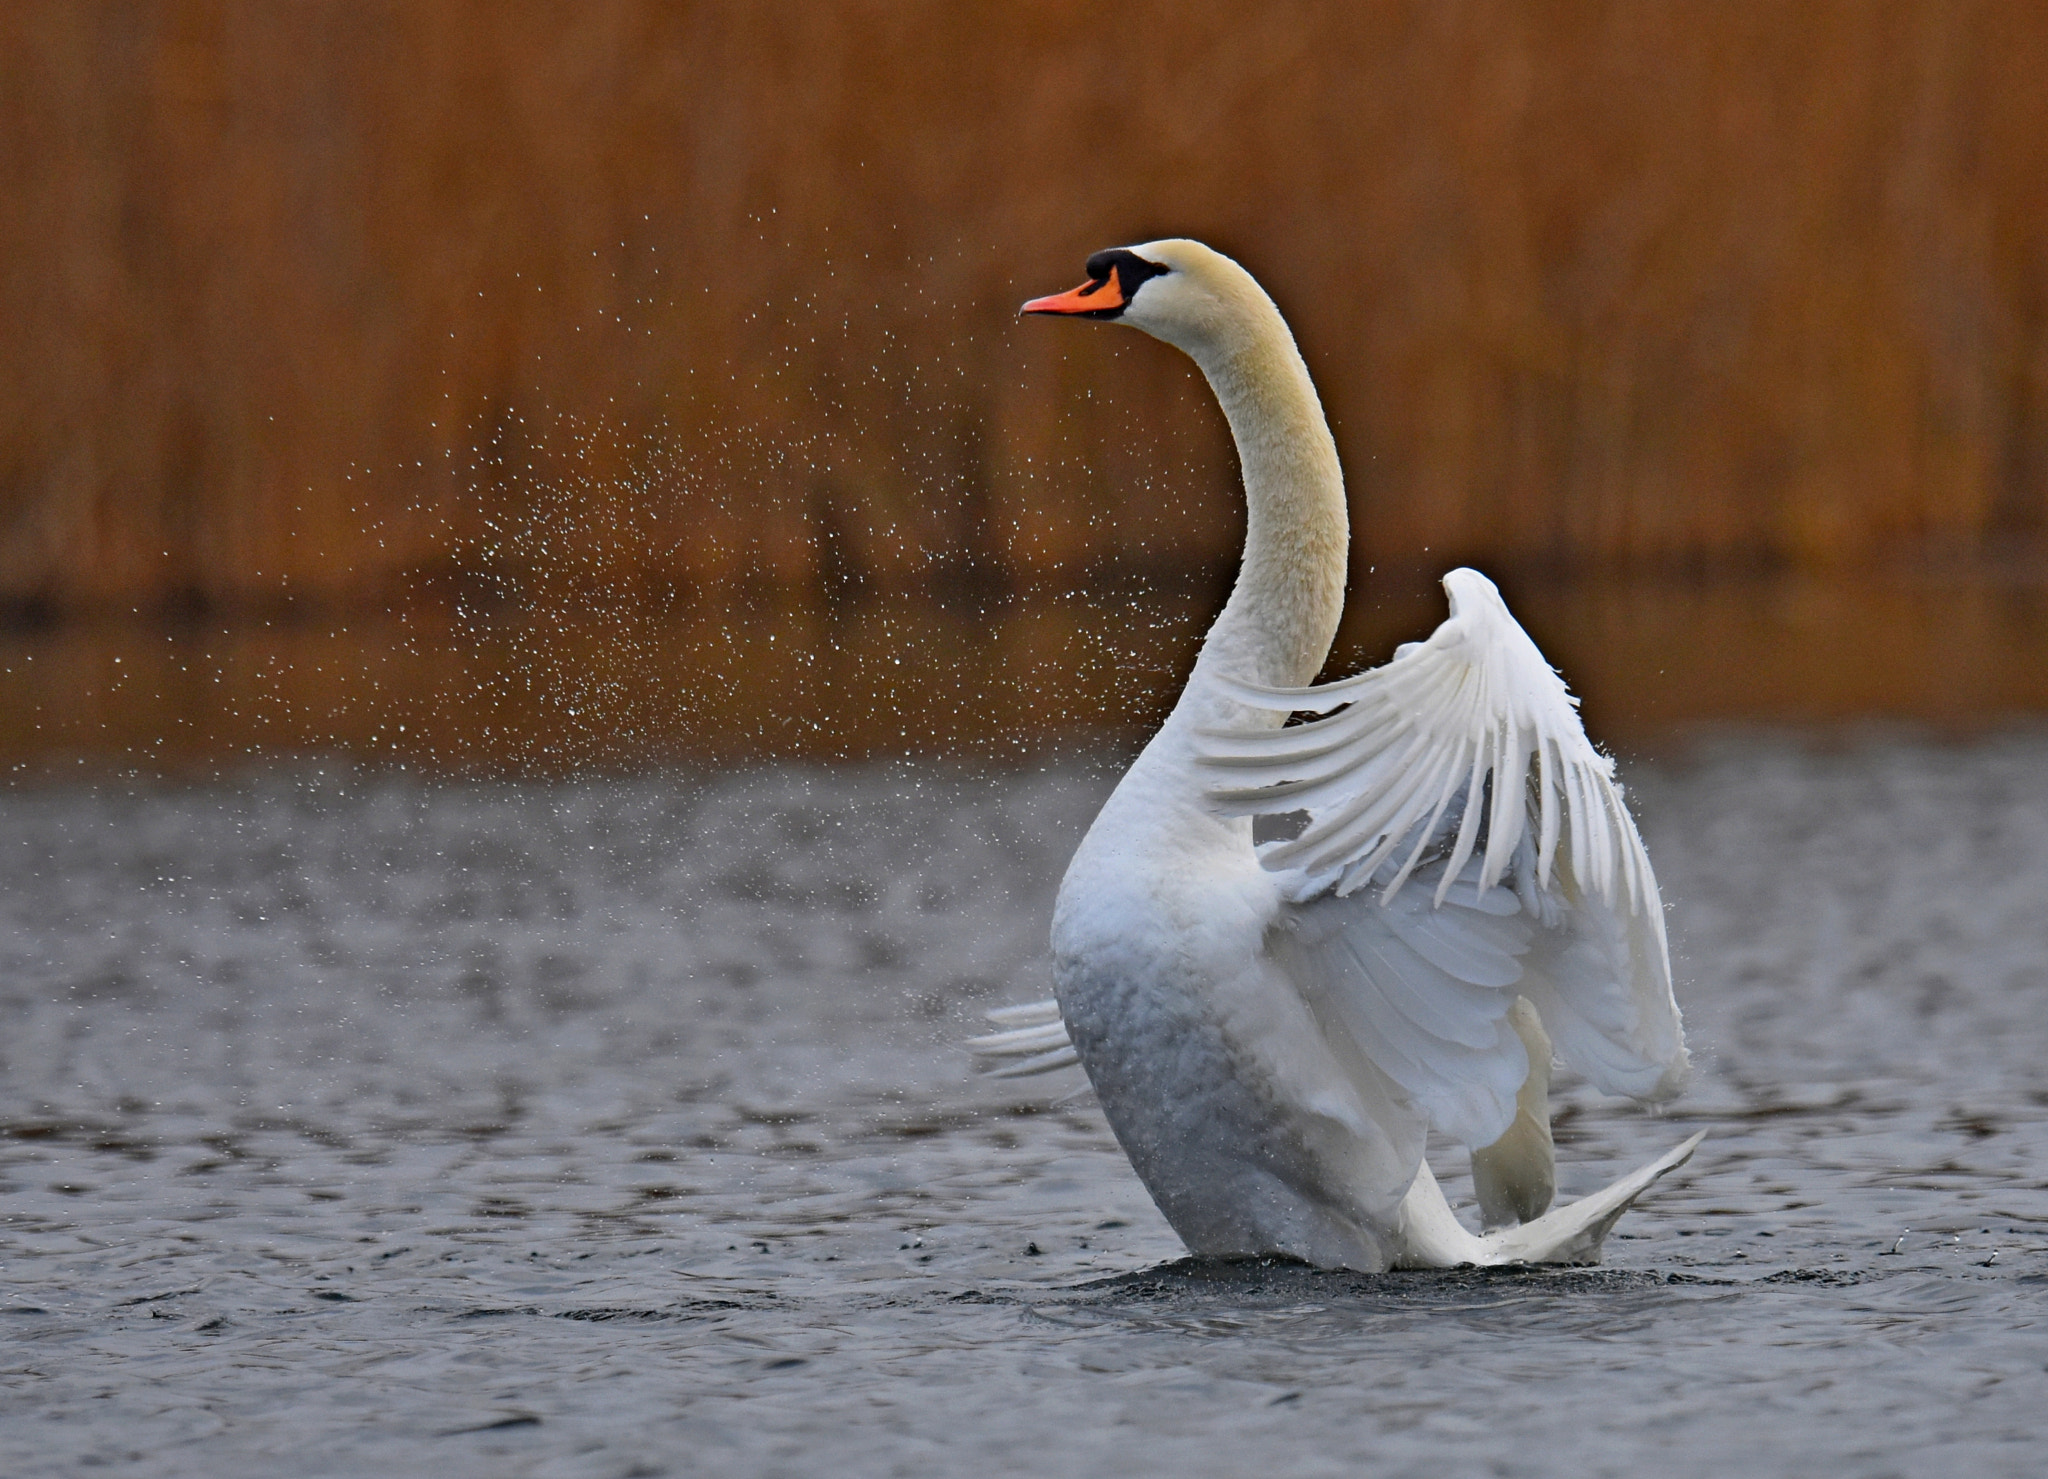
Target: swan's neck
x,y
1283,611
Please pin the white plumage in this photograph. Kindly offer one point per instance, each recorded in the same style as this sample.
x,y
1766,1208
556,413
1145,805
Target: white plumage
x,y
1035,1041
1474,711
1272,1030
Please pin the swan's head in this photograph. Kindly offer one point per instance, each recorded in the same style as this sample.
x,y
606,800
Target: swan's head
x,y
1176,290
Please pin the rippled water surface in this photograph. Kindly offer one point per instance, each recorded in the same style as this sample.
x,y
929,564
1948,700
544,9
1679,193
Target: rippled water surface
x,y
352,1125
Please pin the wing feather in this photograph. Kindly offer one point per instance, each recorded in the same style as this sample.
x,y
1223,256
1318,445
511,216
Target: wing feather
x,y
1393,981
1464,759
1549,763
1034,1040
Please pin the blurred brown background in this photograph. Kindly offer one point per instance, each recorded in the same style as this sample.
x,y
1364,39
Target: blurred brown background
x,y
318,311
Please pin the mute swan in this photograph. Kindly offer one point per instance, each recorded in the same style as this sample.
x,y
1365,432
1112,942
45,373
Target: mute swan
x,y
1272,1030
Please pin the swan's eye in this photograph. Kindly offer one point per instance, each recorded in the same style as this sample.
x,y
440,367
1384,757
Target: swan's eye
x,y
1131,269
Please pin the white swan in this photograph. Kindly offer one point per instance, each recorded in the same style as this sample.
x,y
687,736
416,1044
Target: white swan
x,y
1272,1030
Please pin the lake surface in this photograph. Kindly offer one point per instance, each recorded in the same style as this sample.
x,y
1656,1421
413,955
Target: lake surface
x,y
355,1124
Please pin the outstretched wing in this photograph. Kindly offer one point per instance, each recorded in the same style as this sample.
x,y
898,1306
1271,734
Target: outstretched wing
x,y
1458,784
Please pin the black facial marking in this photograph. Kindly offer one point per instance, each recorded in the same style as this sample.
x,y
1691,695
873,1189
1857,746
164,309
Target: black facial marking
x,y
1131,272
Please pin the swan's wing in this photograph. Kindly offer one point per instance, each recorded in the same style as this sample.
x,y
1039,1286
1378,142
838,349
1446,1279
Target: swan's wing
x,y
1422,991
1034,1040
1454,781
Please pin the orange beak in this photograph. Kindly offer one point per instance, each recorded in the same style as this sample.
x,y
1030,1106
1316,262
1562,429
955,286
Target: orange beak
x,y
1097,295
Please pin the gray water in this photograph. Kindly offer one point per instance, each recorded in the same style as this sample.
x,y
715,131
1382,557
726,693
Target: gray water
x,y
351,1124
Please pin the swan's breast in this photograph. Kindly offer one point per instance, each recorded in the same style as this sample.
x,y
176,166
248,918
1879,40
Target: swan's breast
x,y
1209,1067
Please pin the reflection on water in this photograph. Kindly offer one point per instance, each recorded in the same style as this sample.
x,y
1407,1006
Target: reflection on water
x,y
565,690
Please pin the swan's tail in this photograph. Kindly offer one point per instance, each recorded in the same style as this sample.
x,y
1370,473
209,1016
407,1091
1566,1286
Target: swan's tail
x,y
1433,1238
1036,1042
1573,1233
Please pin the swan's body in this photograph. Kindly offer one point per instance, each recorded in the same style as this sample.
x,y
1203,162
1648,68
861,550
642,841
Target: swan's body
x,y
1272,1031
